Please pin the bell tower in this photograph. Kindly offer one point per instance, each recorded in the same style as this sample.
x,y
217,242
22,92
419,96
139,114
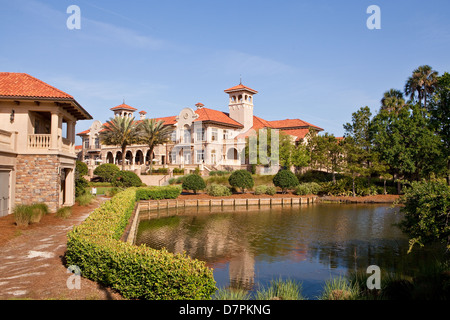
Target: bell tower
x,y
241,105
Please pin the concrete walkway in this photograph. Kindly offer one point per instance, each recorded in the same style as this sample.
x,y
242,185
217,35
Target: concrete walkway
x,y
32,264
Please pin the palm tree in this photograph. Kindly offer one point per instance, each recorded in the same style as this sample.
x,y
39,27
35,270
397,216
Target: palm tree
x,y
153,133
120,131
424,81
392,100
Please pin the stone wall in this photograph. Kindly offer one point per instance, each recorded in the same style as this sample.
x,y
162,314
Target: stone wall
x,y
38,180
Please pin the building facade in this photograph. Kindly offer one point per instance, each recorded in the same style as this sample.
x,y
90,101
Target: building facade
x,y
201,137
37,140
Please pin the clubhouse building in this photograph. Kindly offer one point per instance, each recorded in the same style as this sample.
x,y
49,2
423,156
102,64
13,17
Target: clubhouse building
x,y
202,137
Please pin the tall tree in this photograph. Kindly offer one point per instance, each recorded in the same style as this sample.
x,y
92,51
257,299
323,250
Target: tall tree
x,y
423,81
359,131
153,133
354,160
392,100
405,142
439,109
121,132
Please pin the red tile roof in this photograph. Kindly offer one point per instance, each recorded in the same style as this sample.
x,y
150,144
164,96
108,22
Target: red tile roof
x,y
211,115
24,85
298,133
292,123
168,120
123,106
240,87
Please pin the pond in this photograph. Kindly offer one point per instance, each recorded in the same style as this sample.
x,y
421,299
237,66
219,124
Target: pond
x,y
249,247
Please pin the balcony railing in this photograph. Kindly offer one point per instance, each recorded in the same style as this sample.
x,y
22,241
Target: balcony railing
x,y
39,141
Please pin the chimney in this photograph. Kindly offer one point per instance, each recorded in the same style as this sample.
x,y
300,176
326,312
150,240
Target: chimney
x,y
199,105
142,114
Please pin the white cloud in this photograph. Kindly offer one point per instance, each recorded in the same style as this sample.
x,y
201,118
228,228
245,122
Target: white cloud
x,y
233,62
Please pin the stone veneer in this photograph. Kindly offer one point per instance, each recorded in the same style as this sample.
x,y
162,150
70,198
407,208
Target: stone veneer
x,y
38,180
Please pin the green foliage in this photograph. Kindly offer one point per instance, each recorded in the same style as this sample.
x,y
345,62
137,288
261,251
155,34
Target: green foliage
x,y
126,179
304,189
339,289
241,179
22,215
193,182
218,190
178,171
106,171
81,169
265,189
137,272
218,173
281,290
85,199
285,180
64,212
158,193
426,212
38,211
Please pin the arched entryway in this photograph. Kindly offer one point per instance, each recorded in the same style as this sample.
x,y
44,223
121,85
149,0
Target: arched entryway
x,y
139,158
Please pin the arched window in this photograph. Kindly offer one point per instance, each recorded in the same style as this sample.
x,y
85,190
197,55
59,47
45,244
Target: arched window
x,y
232,154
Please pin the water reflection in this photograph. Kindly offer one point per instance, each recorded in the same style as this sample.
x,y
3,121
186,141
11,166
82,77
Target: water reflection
x,y
251,246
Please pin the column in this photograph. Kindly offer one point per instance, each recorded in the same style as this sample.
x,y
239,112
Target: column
x,y
54,130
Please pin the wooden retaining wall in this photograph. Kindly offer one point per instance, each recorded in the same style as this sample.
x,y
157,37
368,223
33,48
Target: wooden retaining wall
x,y
149,205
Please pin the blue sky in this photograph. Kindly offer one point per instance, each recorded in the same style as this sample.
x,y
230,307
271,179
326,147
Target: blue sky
x,y
312,60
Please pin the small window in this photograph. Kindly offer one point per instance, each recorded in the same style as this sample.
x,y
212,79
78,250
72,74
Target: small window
x,y
214,134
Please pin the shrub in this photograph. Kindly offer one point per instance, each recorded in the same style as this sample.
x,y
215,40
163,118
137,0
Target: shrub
x,y
81,169
137,272
80,186
302,190
218,190
158,193
218,173
285,179
261,189
178,171
265,189
64,212
426,212
126,179
22,215
271,190
307,188
160,171
241,179
38,211
106,171
281,290
339,289
193,182
85,199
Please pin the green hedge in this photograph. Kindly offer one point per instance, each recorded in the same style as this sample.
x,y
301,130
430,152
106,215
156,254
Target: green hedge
x,y
158,193
137,272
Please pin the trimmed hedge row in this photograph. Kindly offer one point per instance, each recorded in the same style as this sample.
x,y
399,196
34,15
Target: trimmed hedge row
x,y
137,272
158,193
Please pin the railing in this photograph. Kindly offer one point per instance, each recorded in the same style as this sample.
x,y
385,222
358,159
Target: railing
x,y
39,141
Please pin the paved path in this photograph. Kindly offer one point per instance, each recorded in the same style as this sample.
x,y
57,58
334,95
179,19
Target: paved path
x,y
32,267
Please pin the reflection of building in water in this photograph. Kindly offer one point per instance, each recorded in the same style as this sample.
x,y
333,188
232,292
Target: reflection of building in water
x,y
242,270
